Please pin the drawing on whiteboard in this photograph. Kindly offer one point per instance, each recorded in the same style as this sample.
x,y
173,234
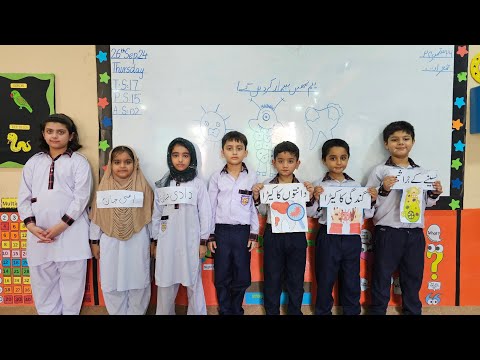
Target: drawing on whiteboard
x,y
263,126
322,121
213,125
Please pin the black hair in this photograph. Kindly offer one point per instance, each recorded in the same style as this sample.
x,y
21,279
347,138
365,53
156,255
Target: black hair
x,y
173,174
398,126
327,145
121,149
286,146
73,144
235,136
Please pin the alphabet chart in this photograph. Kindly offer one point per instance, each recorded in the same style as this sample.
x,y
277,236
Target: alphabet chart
x,y
14,272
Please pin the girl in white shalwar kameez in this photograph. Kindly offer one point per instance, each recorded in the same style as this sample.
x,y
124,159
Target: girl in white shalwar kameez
x,y
54,192
120,237
182,231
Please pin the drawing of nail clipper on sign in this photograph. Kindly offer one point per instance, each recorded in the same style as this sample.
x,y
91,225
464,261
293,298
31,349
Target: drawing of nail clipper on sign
x,y
438,251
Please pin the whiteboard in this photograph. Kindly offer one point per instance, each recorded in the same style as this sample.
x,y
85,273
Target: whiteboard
x,y
305,94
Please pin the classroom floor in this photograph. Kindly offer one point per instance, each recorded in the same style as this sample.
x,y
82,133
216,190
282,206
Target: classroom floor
x,y
250,310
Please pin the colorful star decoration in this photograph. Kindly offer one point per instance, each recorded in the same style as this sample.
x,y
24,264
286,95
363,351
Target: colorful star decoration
x,y
454,204
456,163
460,101
462,51
462,76
101,56
456,124
102,102
104,77
103,145
457,183
459,146
107,121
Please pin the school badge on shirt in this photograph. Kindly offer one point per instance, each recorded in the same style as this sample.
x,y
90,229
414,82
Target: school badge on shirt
x,y
245,199
163,223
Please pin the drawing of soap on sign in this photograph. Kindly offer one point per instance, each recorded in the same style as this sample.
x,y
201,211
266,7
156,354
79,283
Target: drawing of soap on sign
x,y
287,206
322,121
263,126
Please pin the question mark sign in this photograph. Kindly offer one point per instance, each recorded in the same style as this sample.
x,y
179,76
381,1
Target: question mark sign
x,y
438,251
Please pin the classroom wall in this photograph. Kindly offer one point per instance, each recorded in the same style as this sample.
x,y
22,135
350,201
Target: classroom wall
x,y
76,95
471,199
74,68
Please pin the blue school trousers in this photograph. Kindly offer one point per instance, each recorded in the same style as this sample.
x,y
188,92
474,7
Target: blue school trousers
x,y
402,249
232,267
284,259
337,255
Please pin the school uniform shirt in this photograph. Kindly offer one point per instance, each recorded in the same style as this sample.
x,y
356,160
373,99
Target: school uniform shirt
x,y
232,199
387,207
179,232
52,190
263,209
321,213
124,265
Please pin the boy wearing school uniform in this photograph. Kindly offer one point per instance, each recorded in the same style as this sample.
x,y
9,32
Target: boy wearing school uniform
x,y
284,254
396,244
337,255
236,224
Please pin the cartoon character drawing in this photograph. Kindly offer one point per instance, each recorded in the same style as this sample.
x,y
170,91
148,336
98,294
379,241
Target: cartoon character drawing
x,y
322,121
396,285
20,101
364,284
15,146
367,248
433,300
263,126
438,251
411,207
213,125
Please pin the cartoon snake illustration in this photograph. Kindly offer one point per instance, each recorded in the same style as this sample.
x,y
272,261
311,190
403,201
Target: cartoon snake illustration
x,y
12,139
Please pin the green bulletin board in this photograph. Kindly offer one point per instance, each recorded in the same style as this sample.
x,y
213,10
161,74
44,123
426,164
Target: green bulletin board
x,y
25,100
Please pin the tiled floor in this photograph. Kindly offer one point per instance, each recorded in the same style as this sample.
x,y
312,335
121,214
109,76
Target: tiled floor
x,y
252,310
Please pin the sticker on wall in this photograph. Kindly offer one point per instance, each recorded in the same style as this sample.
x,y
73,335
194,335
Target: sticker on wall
x,y
474,68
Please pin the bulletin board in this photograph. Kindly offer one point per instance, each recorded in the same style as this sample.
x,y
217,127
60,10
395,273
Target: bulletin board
x,y
25,101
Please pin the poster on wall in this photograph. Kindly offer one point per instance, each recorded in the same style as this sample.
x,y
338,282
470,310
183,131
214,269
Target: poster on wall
x,y
25,100
15,288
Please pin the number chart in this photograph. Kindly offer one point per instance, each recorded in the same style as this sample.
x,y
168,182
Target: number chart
x,y
14,272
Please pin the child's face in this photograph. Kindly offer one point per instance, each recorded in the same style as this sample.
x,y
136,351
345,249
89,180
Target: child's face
x,y
122,165
399,144
234,152
56,135
336,160
180,157
285,163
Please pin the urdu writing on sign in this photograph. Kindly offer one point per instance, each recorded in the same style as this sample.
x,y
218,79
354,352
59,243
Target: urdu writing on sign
x,y
345,197
177,195
119,199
